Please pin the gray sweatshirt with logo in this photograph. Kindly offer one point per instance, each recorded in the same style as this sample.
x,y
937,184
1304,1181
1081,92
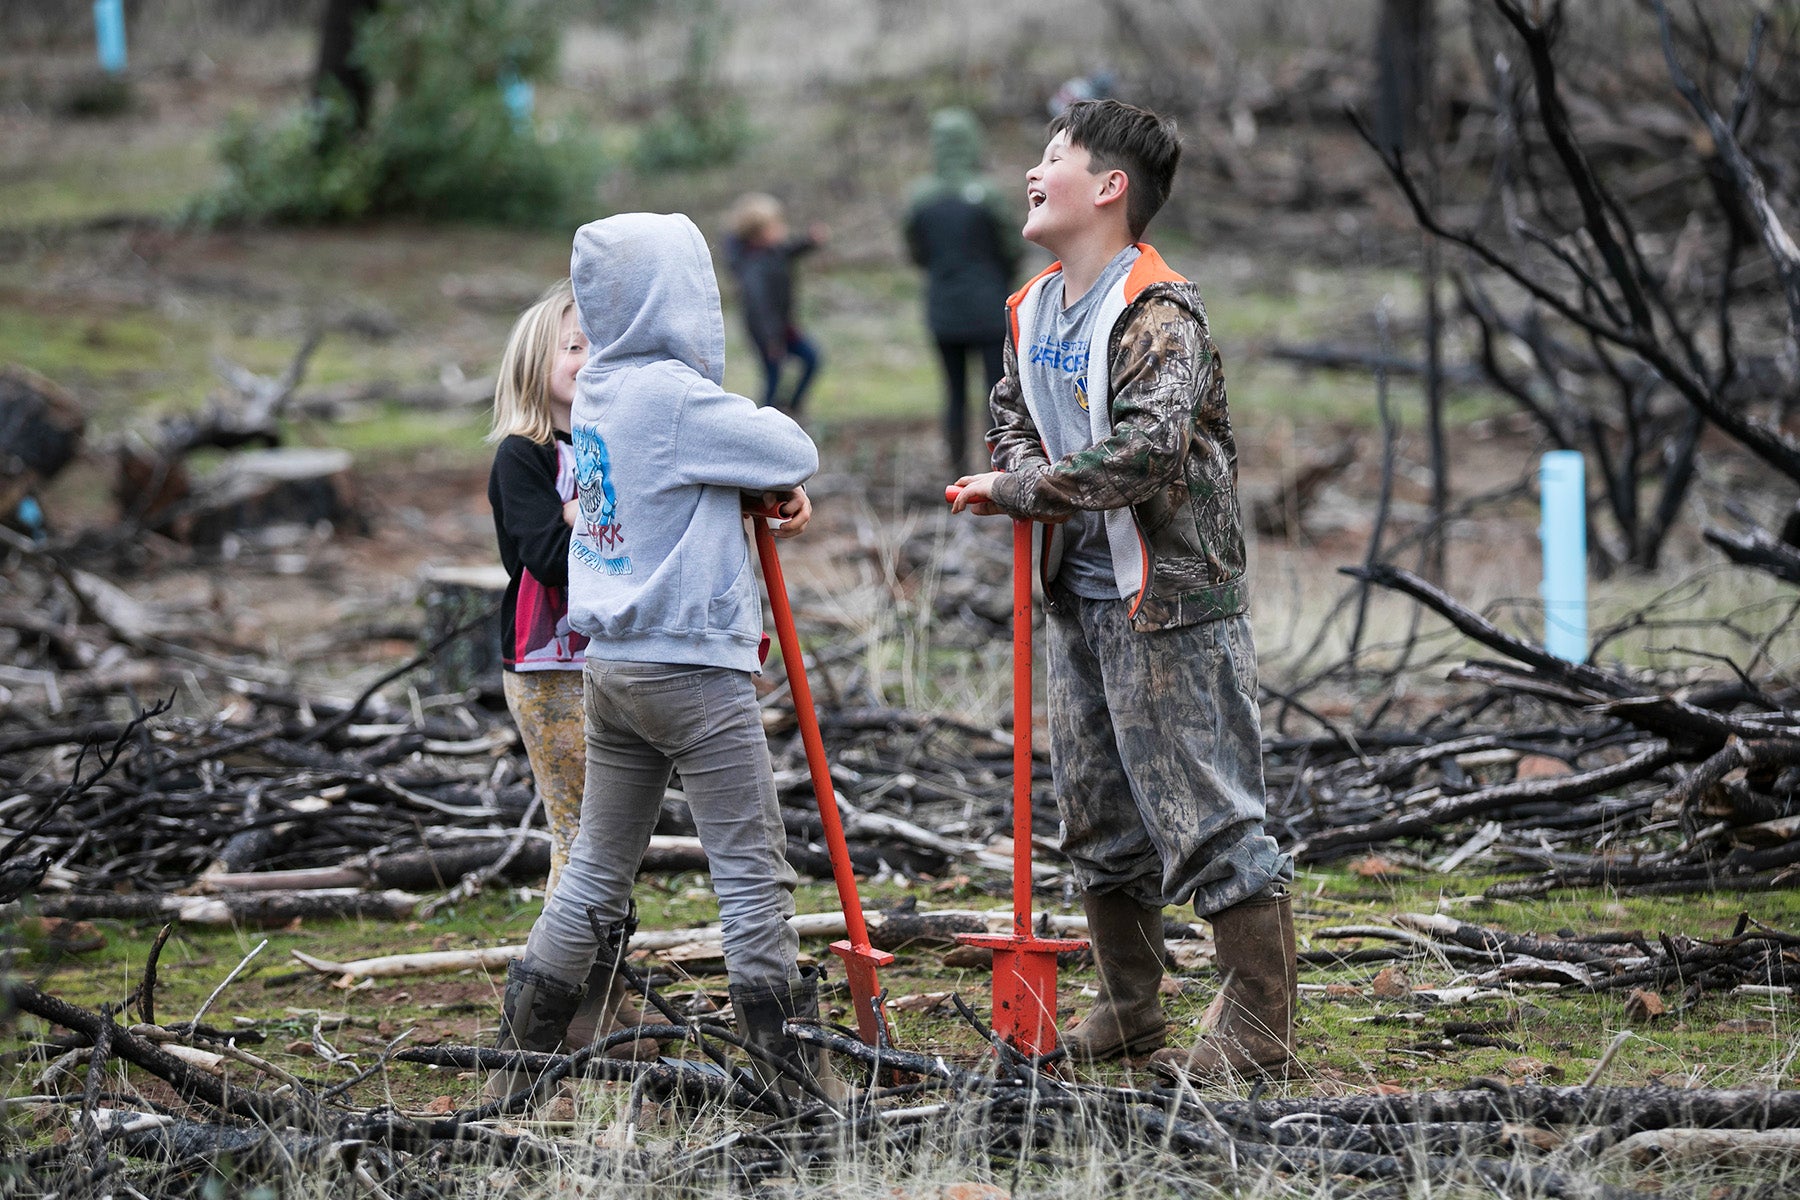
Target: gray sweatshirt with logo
x,y
659,566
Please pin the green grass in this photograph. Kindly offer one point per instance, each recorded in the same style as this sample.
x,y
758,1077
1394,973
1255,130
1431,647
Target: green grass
x,y
1561,1035
1349,1041
392,434
140,353
106,169
117,361
132,364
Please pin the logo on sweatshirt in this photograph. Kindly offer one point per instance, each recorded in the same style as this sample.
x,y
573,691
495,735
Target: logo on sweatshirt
x,y
600,543
1068,357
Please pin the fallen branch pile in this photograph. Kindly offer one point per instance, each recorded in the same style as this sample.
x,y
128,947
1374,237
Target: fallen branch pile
x,y
1755,957
289,804
292,798
1618,780
1576,774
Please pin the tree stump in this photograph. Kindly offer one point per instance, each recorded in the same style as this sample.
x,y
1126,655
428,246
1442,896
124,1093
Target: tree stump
x,y
40,432
255,489
454,596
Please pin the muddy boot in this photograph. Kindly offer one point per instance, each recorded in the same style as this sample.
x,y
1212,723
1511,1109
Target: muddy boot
x,y
761,1013
608,1005
1255,1030
534,1016
1128,951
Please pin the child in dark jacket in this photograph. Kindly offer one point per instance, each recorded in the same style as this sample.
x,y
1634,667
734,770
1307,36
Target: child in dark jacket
x,y
958,231
760,252
660,581
531,489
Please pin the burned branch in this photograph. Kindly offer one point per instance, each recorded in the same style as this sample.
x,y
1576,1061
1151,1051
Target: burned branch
x,y
1611,326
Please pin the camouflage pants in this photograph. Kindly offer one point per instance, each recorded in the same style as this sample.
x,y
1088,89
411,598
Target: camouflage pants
x,y
1156,753
546,706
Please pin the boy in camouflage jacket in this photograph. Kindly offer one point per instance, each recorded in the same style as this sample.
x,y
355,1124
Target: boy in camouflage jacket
x,y
1127,455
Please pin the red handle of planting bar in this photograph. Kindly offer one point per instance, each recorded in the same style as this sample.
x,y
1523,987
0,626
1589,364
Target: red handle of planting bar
x,y
1021,719
843,873
1022,728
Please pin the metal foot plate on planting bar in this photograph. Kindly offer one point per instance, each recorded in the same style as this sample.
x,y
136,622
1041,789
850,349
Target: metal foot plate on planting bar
x,y
1024,987
865,989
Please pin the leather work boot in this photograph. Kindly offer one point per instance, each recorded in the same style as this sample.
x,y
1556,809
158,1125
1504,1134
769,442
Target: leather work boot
x,y
608,1005
534,1015
1128,951
761,1012
1255,1030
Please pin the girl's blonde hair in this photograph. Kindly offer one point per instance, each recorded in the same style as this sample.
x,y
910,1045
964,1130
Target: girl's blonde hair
x,y
752,214
522,392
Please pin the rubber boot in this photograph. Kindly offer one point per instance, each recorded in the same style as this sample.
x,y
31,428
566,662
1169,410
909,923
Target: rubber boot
x,y
608,1005
534,1015
761,1013
605,1007
1254,1034
1128,951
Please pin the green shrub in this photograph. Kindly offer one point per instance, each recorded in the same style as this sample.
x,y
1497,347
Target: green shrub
x,y
683,141
438,140
704,126
292,169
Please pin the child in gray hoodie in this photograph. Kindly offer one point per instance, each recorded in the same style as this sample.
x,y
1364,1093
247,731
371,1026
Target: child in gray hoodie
x,y
660,581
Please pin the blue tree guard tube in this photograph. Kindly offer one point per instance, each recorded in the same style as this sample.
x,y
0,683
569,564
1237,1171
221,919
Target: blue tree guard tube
x,y
109,34
520,97
1562,482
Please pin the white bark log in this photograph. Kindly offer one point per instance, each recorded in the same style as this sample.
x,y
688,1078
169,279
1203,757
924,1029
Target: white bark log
x,y
1762,1148
809,926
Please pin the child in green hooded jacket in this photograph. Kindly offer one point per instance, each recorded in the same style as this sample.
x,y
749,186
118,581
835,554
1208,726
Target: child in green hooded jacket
x,y
960,229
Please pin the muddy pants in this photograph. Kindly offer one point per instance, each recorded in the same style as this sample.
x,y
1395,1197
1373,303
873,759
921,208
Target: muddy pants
x,y
645,720
1156,753
546,706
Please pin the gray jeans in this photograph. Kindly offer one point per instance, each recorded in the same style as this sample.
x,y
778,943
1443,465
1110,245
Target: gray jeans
x,y
1156,753
645,720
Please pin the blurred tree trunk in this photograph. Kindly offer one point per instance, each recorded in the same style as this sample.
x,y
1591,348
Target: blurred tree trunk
x,y
337,65
1403,36
1405,43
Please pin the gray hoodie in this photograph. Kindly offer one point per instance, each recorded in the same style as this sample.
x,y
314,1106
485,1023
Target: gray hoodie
x,y
659,568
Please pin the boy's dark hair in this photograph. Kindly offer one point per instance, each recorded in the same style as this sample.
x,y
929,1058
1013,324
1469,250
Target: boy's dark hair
x,y
1124,137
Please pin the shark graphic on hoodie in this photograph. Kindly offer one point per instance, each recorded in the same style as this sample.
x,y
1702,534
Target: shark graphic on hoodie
x,y
659,565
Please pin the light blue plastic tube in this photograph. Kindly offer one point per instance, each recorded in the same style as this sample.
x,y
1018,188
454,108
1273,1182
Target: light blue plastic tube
x,y
520,97
109,34
1562,482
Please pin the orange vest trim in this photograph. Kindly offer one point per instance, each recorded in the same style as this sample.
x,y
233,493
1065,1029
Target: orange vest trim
x,y
1017,298
1137,601
1148,269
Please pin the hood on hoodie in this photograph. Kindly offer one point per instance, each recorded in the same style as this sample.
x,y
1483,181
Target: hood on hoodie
x,y
956,166
955,146
645,291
